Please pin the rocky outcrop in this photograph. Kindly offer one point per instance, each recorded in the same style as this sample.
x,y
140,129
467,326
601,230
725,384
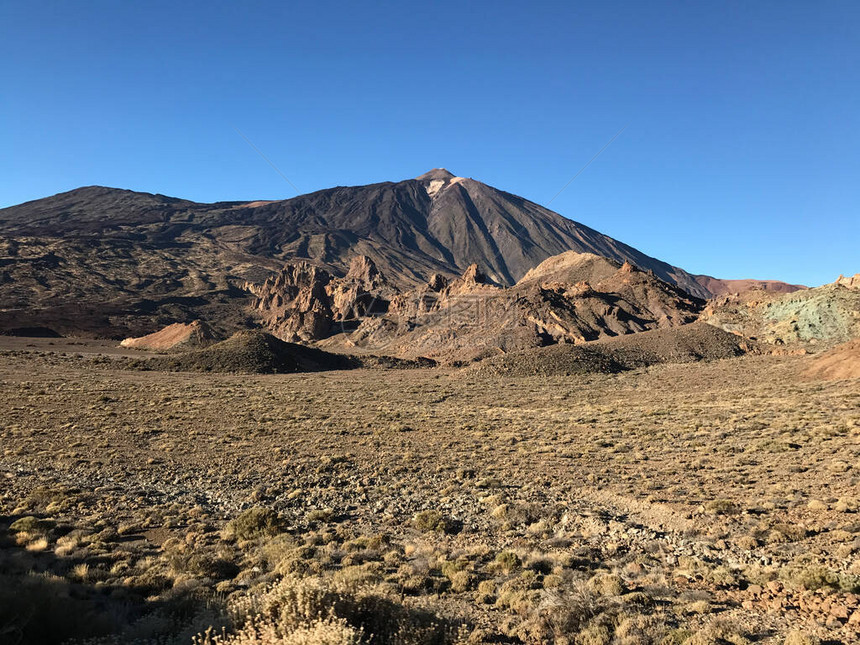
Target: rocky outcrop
x,y
470,317
822,316
304,302
294,305
177,335
850,282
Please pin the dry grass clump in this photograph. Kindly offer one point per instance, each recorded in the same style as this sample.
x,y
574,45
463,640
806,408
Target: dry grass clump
x,y
722,507
323,631
814,577
606,584
254,523
318,611
719,632
796,637
432,520
577,616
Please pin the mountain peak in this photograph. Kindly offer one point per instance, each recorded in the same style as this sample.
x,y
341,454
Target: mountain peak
x,y
436,174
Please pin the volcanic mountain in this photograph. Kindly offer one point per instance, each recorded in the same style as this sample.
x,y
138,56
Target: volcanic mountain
x,y
121,263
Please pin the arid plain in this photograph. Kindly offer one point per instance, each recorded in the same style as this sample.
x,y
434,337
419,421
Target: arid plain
x,y
701,503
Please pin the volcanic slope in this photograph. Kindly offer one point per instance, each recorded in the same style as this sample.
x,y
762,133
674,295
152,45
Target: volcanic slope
x,y
121,263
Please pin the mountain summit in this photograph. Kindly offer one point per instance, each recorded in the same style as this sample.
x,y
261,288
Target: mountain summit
x,y
120,261
437,174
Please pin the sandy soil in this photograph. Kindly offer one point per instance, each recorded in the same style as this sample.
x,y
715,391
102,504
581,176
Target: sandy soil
x,y
709,501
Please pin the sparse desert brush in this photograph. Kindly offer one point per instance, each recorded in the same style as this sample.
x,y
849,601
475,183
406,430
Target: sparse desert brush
x,y
432,520
37,545
366,542
462,581
411,579
572,616
606,584
254,523
316,611
320,515
261,631
356,576
201,564
784,532
30,525
812,577
797,637
722,507
746,542
507,561
676,636
515,514
719,632
552,581
697,607
277,548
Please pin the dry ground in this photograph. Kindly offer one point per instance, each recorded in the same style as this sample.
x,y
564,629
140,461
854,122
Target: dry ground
x,y
698,503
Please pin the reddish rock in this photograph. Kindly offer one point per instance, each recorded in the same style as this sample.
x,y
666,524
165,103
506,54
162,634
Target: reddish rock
x,y
193,334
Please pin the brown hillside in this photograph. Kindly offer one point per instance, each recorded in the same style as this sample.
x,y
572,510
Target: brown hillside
x,y
841,362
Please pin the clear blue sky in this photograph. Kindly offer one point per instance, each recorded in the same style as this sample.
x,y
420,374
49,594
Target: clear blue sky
x,y
741,157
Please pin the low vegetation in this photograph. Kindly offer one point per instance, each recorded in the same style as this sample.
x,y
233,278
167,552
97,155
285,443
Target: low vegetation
x,y
709,503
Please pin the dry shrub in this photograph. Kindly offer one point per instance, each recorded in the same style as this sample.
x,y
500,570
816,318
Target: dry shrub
x,y
300,610
260,631
253,523
817,577
719,632
434,521
558,616
606,584
795,637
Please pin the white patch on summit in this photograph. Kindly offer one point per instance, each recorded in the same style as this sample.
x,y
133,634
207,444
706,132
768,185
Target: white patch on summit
x,y
435,186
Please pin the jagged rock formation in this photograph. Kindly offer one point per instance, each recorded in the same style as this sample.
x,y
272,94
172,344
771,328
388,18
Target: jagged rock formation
x,y
295,305
470,317
306,303
193,334
851,282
